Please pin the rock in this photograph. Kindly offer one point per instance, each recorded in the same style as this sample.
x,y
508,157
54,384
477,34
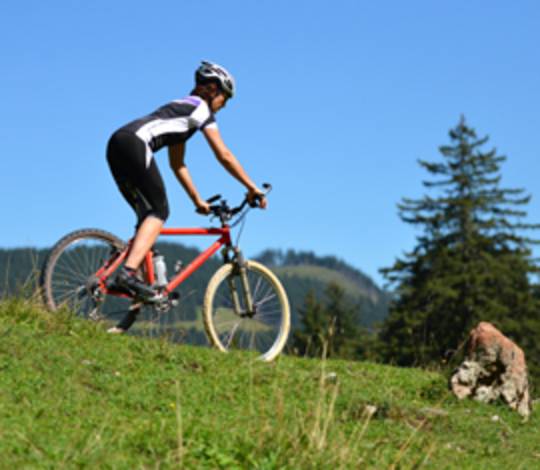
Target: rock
x,y
494,368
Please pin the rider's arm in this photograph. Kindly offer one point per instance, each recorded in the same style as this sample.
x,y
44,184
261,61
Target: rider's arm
x,y
231,164
180,170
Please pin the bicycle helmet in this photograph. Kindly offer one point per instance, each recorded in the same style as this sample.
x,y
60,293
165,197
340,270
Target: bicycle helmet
x,y
208,71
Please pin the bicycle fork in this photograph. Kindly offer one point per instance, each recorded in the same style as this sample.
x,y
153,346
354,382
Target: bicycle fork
x,y
239,270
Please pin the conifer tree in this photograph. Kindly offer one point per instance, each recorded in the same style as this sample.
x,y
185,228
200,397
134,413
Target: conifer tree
x,y
344,333
331,325
309,339
471,262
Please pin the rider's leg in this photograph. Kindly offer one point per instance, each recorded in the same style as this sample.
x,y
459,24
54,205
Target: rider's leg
x,y
146,236
144,240
140,182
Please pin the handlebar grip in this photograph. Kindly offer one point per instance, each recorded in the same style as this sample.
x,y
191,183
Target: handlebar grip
x,y
215,209
213,198
256,200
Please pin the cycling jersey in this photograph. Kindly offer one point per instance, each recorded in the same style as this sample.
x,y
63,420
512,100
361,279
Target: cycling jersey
x,y
171,124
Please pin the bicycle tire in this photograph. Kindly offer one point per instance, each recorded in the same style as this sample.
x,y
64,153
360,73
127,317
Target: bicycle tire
x,y
255,328
84,260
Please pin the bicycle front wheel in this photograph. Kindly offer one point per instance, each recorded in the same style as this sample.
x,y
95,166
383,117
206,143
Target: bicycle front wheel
x,y
228,321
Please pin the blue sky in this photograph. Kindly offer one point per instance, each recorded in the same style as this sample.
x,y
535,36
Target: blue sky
x,y
336,102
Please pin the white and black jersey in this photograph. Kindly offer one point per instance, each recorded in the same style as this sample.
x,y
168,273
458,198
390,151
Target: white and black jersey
x,y
131,148
171,124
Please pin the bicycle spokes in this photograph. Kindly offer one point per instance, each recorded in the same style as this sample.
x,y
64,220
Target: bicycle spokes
x,y
247,312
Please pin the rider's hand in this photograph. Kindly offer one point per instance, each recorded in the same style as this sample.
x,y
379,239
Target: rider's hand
x,y
256,197
202,207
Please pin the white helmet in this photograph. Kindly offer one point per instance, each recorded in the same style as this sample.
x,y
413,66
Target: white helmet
x,y
209,71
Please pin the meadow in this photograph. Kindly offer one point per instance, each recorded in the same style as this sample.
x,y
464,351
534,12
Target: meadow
x,y
72,396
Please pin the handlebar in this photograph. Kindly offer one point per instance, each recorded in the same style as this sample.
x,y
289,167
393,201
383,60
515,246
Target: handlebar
x,y
226,213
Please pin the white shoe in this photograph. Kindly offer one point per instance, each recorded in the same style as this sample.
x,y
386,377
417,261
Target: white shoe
x,y
116,331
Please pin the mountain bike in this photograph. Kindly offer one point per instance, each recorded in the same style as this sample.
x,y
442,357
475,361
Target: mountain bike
x,y
245,305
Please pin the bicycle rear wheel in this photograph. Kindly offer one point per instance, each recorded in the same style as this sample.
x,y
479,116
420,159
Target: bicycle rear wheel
x,y
229,324
68,275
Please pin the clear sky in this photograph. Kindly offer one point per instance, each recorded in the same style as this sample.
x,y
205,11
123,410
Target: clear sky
x,y
336,102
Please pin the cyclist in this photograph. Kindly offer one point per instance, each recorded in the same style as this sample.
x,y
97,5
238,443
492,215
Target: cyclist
x,y
130,154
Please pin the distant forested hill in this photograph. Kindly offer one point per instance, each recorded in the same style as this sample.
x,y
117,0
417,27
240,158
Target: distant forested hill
x,y
299,271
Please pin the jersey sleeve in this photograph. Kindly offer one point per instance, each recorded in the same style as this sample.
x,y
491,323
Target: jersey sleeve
x,y
210,123
203,118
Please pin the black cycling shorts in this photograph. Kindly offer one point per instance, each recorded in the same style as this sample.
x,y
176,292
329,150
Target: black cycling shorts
x,y
141,186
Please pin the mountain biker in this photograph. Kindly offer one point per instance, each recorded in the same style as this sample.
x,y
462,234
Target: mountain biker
x,y
130,154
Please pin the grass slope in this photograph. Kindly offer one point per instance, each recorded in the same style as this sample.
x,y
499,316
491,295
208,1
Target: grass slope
x,y
73,397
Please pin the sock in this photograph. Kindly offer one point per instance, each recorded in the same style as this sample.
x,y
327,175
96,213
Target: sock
x,y
130,271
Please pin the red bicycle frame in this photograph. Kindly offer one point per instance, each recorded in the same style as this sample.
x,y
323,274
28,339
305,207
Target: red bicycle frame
x,y
224,240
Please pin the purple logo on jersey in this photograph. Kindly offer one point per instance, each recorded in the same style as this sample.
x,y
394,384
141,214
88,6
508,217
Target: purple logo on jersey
x,y
192,100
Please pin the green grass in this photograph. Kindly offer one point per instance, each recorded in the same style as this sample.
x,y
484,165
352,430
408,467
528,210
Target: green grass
x,y
72,396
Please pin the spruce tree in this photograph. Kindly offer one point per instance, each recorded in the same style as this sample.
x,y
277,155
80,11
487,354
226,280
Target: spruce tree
x,y
308,340
471,262
331,325
344,333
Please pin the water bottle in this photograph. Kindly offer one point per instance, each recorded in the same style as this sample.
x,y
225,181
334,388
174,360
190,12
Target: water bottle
x,y
160,270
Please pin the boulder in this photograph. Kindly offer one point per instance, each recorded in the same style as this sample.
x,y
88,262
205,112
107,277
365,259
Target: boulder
x,y
494,369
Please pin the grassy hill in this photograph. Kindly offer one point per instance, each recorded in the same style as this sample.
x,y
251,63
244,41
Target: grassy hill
x,y
325,275
72,396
